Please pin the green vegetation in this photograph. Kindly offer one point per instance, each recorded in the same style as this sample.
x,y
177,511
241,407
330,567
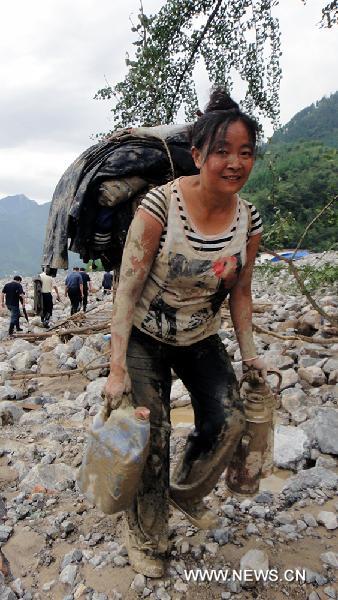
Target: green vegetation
x,y
290,184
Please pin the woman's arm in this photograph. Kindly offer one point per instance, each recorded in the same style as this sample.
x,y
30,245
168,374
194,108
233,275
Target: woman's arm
x,y
240,303
139,253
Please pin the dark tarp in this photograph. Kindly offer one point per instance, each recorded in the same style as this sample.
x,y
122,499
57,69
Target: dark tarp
x,y
157,155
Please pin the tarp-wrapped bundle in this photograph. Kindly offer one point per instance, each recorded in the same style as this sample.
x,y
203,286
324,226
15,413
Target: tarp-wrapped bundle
x,y
96,198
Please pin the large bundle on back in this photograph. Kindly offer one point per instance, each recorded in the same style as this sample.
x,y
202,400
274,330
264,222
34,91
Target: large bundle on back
x,y
95,200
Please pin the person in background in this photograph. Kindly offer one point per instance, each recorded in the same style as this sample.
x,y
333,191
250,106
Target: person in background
x,y
107,282
13,294
87,285
74,290
47,287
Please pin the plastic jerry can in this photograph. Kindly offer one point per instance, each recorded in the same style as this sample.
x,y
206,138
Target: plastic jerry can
x,y
114,458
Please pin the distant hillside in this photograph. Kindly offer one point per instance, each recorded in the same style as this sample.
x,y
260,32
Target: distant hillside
x,y
317,122
296,175
22,232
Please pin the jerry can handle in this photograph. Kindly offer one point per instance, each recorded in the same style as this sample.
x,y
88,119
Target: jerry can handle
x,y
279,375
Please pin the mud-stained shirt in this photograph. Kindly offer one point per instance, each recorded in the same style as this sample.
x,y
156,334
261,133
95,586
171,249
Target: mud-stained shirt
x,y
192,273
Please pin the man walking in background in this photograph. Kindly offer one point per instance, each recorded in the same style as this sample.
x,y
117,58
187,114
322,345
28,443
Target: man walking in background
x,y
14,294
47,287
74,289
87,285
107,282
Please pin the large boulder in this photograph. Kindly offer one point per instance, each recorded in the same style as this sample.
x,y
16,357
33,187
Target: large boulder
x,y
323,430
291,447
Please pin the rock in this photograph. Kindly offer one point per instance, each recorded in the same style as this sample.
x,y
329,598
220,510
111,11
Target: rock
x,y
310,520
323,430
328,519
289,379
10,413
330,558
330,365
330,592
333,377
254,560
86,356
309,323
138,583
291,447
293,399
313,375
328,462
285,518
7,594
23,360
50,477
7,392
20,346
221,536
74,345
317,477
252,529
5,370
68,575
5,532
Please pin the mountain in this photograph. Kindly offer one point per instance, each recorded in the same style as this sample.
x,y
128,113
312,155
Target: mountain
x,y
317,122
295,176
22,233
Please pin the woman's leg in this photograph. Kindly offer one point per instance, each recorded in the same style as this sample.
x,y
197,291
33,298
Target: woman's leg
x,y
206,371
150,375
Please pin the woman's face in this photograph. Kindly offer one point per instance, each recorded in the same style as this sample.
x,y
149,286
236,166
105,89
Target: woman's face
x,y
228,166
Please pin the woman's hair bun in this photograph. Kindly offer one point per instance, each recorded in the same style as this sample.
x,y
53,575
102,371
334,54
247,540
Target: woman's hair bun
x,y
220,100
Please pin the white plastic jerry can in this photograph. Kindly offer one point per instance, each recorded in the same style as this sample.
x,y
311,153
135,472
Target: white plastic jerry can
x,y
114,458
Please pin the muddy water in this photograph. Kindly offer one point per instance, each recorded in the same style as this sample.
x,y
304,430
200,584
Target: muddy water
x,y
274,483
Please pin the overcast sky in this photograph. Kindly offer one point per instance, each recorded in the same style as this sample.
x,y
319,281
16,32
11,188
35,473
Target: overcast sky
x,y
56,54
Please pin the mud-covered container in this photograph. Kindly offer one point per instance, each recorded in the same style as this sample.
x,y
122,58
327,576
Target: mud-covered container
x,y
114,458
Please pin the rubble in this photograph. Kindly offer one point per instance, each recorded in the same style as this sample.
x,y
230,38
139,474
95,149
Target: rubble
x,y
58,545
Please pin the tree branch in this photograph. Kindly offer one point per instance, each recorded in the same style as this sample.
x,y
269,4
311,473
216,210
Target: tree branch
x,y
192,55
295,273
311,223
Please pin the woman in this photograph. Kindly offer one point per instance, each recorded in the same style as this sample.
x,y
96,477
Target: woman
x,y
191,244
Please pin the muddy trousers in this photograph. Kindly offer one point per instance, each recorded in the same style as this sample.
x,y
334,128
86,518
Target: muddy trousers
x,y
207,373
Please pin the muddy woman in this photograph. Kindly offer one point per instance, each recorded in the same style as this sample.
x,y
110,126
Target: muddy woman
x,y
192,243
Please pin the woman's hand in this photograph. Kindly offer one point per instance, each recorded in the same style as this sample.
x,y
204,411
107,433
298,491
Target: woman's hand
x,y
117,388
258,364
